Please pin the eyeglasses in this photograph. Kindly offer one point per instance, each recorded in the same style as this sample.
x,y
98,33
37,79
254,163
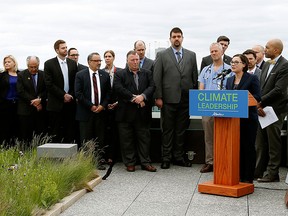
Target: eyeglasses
x,y
95,60
74,55
235,62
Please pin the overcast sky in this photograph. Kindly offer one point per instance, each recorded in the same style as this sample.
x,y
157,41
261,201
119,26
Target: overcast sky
x,y
31,27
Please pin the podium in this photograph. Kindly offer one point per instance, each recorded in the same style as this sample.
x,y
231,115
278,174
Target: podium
x,y
226,159
227,106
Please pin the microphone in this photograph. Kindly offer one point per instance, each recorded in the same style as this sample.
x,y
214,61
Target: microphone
x,y
223,74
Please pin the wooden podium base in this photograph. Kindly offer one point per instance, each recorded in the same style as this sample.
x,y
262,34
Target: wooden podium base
x,y
237,190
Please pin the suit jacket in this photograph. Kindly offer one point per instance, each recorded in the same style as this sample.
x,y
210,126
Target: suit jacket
x,y
83,91
262,64
208,60
26,92
54,81
172,81
81,67
4,85
148,64
274,88
257,72
125,87
251,83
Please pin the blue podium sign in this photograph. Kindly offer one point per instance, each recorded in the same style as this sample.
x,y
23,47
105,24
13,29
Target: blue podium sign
x,y
219,103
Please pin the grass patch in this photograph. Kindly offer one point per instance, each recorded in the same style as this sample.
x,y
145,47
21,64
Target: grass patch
x,y
29,184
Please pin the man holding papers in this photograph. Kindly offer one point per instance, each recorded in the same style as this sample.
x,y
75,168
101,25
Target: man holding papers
x,y
273,83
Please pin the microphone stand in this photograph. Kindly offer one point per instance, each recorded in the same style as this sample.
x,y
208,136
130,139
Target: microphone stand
x,y
221,82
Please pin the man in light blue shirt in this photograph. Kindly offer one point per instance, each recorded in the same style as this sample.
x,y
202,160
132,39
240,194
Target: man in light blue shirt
x,y
209,79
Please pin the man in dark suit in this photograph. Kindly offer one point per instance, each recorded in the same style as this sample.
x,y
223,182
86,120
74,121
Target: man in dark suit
x,y
251,56
259,50
175,72
74,55
140,48
273,83
134,88
59,78
224,41
92,90
31,108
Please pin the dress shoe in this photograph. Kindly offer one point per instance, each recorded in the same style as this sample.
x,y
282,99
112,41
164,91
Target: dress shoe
x,y
148,168
165,165
131,168
268,178
101,167
183,163
207,168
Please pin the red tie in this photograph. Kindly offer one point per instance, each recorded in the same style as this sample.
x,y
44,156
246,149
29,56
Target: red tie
x,y
95,89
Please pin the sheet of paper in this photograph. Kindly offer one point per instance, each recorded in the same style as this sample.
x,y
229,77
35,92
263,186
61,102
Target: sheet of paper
x,y
270,117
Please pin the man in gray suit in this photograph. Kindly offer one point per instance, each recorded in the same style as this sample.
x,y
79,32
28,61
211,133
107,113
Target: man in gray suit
x,y
140,48
273,83
175,72
251,56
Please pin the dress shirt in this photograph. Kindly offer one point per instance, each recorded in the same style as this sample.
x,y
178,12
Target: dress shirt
x,y
111,74
180,53
92,86
252,71
272,65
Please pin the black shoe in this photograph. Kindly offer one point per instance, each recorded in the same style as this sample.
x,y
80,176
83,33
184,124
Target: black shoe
x,y
183,163
268,178
165,165
101,167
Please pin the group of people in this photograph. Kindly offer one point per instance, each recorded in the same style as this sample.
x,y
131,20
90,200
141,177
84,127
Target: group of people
x,y
260,148
78,103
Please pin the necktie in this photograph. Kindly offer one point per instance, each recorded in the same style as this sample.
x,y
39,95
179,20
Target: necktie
x,y
34,82
179,60
272,62
64,69
95,89
178,54
136,79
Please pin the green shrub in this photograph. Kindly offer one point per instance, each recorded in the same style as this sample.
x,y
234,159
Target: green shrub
x,y
29,184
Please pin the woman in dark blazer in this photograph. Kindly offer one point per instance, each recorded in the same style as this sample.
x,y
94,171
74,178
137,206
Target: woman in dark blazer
x,y
248,126
8,101
111,132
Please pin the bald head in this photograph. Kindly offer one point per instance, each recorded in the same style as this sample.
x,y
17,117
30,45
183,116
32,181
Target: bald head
x,y
273,48
277,43
140,48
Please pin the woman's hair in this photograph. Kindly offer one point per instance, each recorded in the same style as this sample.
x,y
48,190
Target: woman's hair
x,y
13,59
243,60
109,51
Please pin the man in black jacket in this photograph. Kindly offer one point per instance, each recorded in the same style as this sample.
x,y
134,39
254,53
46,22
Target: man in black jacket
x,y
59,78
134,88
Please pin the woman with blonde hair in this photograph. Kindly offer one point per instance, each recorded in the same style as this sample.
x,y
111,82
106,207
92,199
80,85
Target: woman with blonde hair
x,y
8,100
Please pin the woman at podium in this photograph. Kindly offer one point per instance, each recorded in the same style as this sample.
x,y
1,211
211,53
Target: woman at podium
x,y
242,80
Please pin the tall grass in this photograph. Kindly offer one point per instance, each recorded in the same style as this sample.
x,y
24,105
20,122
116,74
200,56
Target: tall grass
x,y
30,184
